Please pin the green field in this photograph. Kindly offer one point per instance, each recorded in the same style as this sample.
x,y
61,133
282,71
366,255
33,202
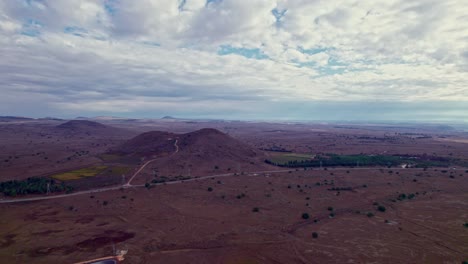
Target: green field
x,y
284,158
78,174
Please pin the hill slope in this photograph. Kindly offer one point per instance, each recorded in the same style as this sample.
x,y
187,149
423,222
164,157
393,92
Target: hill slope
x,y
202,152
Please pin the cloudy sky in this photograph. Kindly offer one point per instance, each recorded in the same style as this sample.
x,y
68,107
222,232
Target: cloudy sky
x,y
236,59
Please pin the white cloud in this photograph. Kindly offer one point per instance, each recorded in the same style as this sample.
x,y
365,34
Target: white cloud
x,y
107,55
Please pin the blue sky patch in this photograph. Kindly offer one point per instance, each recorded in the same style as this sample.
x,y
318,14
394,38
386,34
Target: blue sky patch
x,y
31,28
248,53
76,31
278,14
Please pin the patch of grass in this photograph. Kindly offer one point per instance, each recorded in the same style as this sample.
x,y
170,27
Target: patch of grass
x,y
119,170
109,157
284,158
78,174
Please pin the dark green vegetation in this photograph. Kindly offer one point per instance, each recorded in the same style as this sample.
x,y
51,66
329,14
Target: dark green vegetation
x,y
334,160
33,185
381,208
305,216
315,235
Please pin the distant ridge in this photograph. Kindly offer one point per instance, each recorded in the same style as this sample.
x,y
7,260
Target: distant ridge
x,y
81,124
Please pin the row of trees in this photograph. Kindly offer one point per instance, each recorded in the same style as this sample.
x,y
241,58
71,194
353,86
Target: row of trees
x,y
341,160
33,185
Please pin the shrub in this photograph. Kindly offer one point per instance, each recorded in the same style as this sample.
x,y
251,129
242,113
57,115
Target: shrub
x,y
381,208
314,235
210,189
147,185
305,216
330,208
332,215
105,203
255,209
465,224
370,214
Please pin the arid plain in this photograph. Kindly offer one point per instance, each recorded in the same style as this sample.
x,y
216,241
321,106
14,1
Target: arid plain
x,y
201,191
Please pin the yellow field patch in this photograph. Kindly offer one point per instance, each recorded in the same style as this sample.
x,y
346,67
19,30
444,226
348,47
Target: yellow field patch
x,y
78,174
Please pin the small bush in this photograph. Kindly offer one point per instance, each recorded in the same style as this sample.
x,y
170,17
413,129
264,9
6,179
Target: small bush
x,y
369,214
314,235
255,209
330,208
381,208
147,185
305,216
210,189
465,224
105,203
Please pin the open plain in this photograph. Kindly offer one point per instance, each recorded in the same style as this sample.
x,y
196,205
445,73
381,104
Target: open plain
x,y
200,191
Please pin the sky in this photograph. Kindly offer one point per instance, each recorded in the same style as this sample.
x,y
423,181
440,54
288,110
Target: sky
x,y
376,60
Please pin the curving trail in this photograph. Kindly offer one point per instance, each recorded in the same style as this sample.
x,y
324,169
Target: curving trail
x,y
129,183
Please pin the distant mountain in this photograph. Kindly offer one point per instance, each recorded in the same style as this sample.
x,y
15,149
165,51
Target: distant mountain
x,y
168,117
91,128
81,124
14,118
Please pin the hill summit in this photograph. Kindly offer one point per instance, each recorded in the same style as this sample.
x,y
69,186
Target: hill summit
x,y
81,124
204,151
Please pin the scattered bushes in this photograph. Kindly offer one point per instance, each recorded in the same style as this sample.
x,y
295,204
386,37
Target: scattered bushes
x,y
381,208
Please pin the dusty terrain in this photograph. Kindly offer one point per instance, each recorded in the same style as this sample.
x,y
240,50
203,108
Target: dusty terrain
x,y
242,215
